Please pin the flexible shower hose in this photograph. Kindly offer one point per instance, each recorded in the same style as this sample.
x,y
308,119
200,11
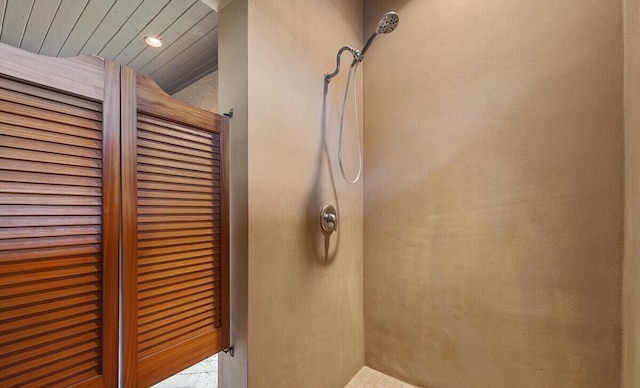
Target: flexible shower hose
x,y
353,72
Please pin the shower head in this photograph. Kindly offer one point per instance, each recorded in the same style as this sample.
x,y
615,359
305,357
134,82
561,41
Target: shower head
x,y
387,24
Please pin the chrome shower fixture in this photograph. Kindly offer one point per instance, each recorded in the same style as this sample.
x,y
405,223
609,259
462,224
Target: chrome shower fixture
x,y
387,24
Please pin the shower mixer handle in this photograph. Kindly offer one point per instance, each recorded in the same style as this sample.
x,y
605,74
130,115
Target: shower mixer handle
x,y
328,219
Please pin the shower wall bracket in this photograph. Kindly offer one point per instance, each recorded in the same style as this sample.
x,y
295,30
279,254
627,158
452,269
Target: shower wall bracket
x,y
356,57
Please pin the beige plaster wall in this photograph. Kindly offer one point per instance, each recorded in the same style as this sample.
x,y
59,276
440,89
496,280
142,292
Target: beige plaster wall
x,y
305,304
494,193
202,93
234,94
631,282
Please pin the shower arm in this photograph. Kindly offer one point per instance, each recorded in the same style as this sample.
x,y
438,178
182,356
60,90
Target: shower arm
x,y
356,57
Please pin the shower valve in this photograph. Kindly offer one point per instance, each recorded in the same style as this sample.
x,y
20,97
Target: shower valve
x,y
328,219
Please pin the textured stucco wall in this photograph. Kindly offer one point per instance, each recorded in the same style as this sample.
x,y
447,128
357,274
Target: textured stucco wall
x,y
493,193
631,282
305,306
202,93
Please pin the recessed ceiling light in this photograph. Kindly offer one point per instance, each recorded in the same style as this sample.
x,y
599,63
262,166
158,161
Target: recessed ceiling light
x,y
153,41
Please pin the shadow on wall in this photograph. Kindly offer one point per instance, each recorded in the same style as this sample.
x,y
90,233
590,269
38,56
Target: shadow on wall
x,y
467,244
325,246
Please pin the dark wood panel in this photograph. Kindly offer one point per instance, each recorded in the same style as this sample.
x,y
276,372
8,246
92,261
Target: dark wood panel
x,y
48,231
173,183
172,250
46,221
55,371
49,94
174,265
49,275
50,337
52,137
69,160
79,283
179,210
175,157
194,349
50,105
177,164
184,242
43,146
184,145
171,195
182,278
172,319
35,254
9,210
49,316
184,136
208,231
145,277
175,218
58,169
158,313
90,129
51,242
168,147
82,76
177,336
48,179
169,226
50,306
29,199
146,119
37,113
48,264
59,324
180,202
175,172
49,189
151,336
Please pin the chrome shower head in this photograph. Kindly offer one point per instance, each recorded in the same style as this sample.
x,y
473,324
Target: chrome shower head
x,y
388,23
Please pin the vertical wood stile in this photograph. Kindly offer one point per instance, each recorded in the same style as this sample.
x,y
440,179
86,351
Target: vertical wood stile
x,y
129,228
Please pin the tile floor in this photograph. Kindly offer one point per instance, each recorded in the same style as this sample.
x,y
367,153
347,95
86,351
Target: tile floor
x,y
201,375
205,375
371,378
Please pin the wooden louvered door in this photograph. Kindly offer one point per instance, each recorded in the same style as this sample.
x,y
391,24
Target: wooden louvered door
x,y
175,230
59,204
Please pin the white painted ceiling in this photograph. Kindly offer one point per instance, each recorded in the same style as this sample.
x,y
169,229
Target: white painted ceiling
x,y
115,29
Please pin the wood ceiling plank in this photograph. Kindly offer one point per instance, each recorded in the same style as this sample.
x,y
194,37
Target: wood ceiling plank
x,y
91,18
115,18
158,25
193,55
15,21
143,15
193,76
194,23
41,17
194,69
66,18
3,8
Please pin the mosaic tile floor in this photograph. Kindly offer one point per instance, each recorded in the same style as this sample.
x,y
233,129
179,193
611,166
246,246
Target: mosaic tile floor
x,y
205,375
201,375
371,378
